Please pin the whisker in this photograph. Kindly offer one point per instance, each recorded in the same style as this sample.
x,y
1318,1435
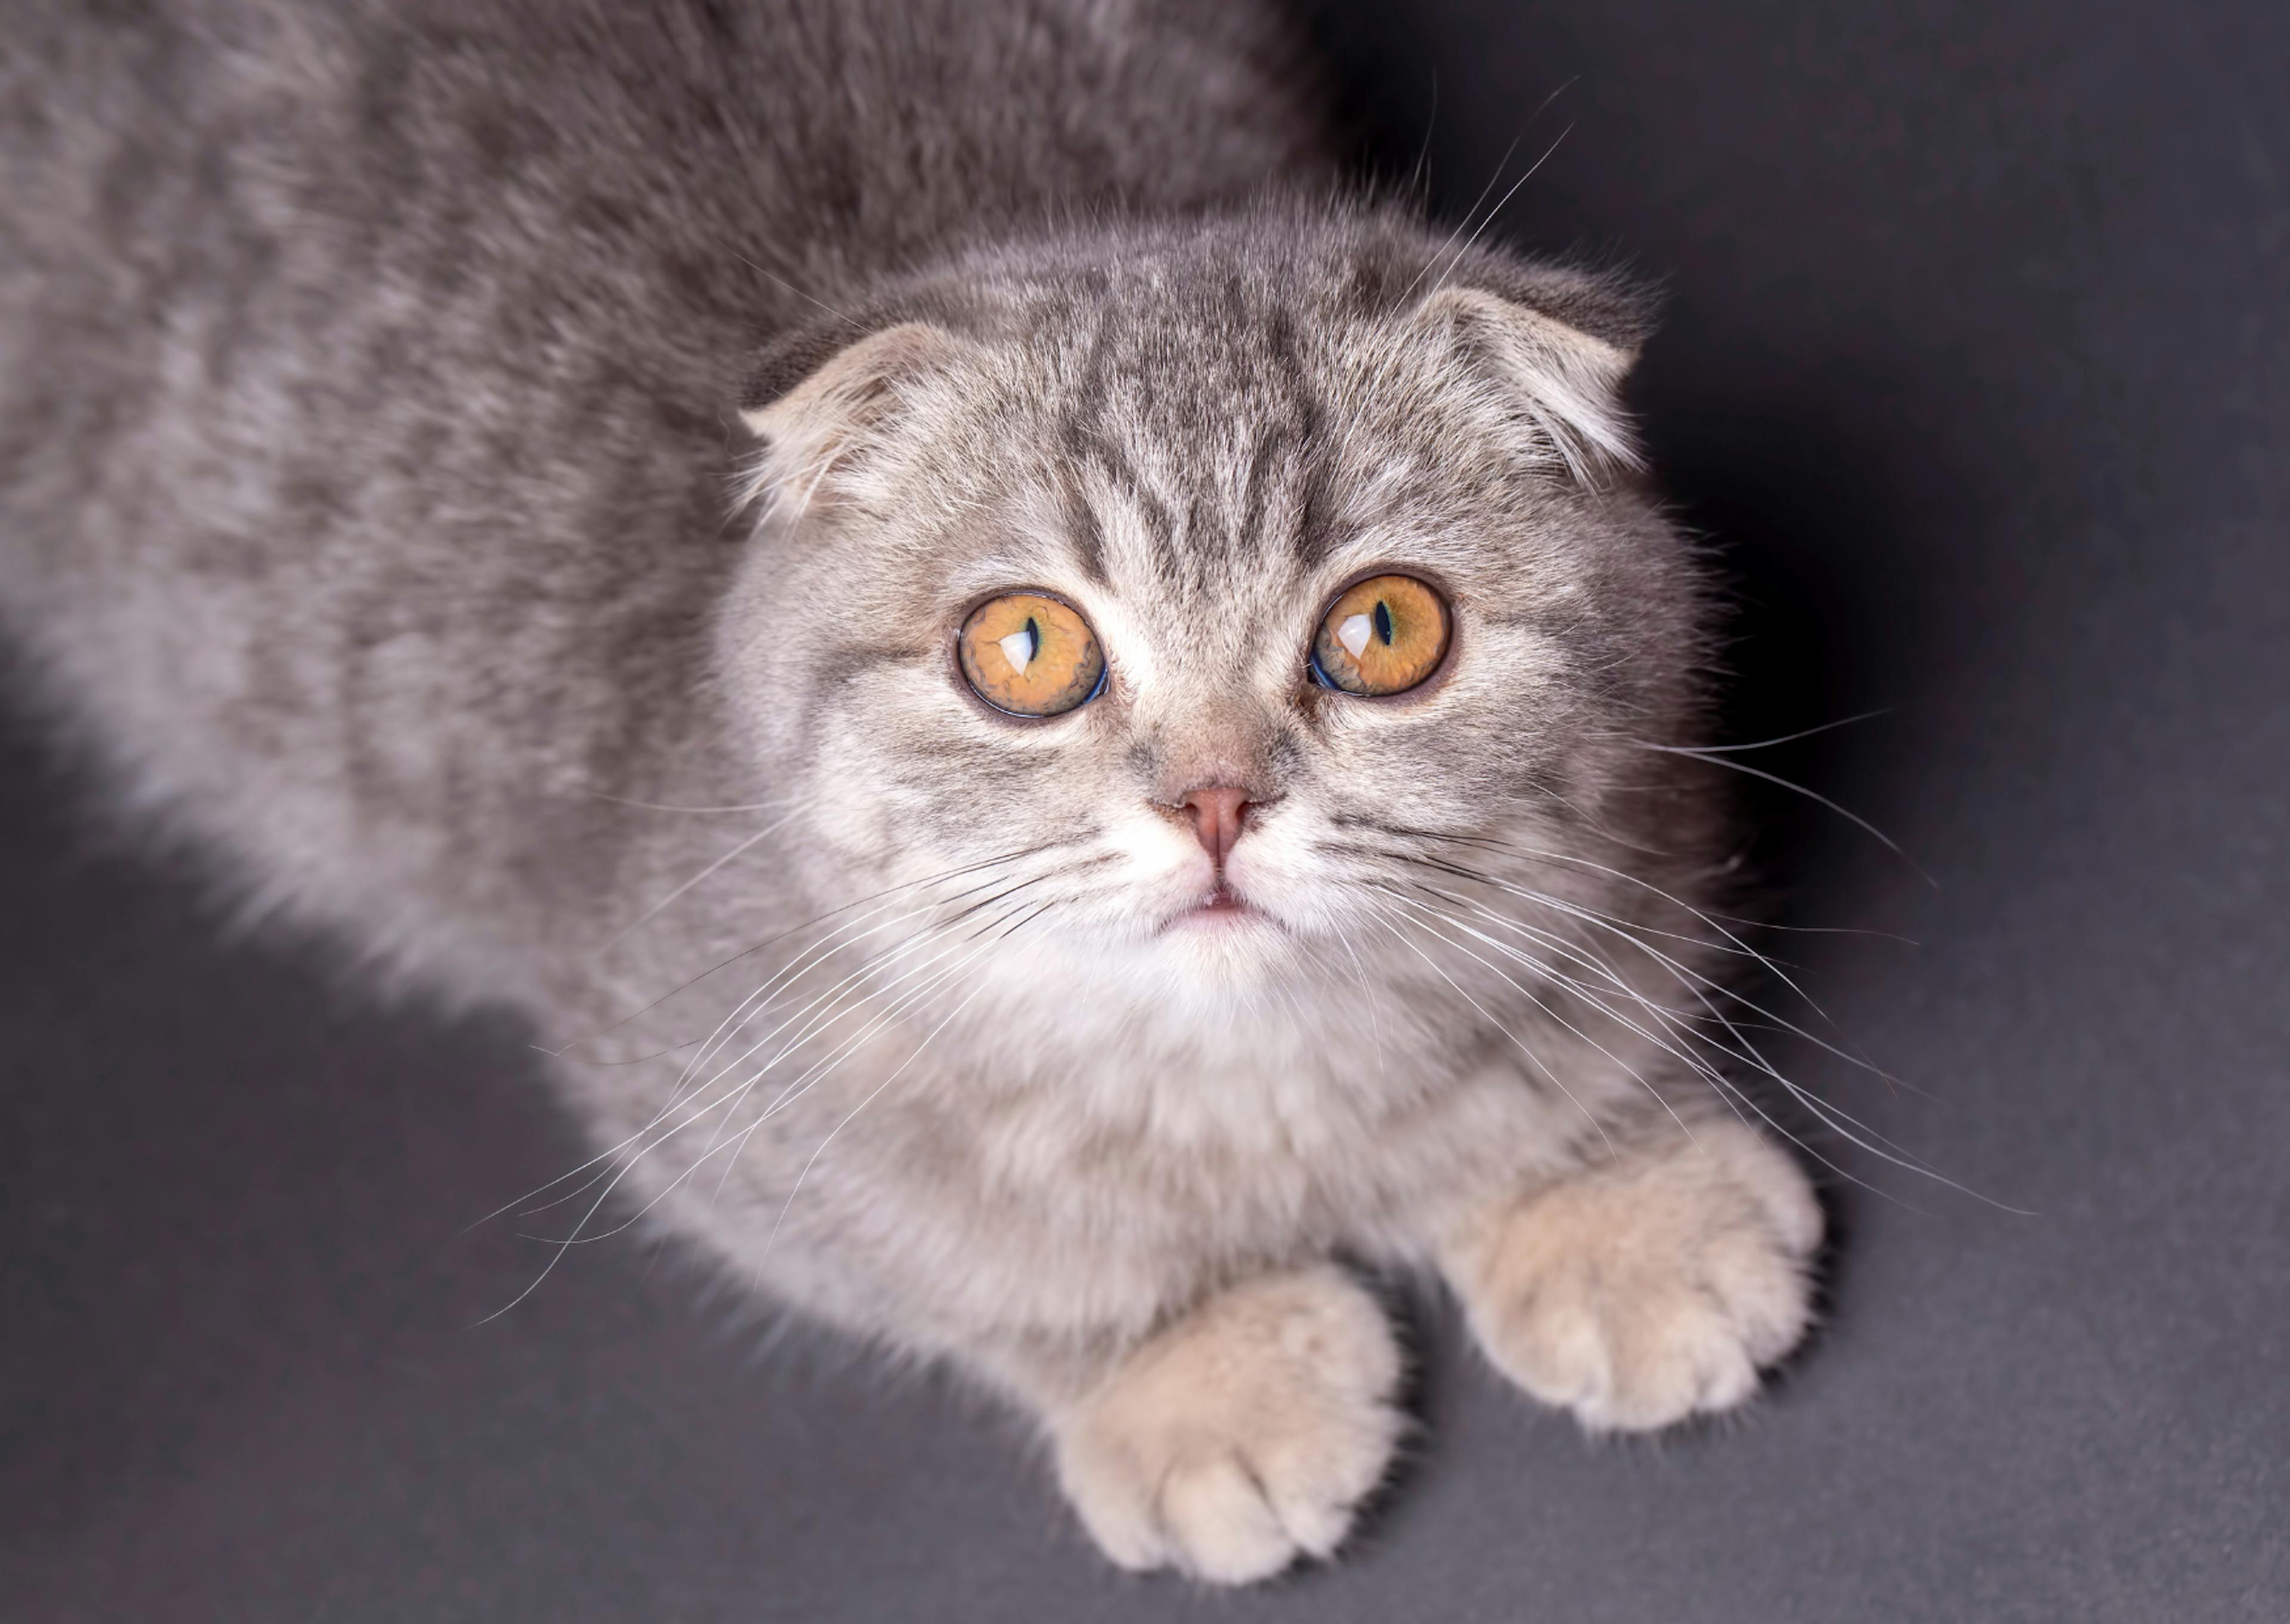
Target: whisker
x,y
798,293
657,909
1679,903
795,929
1539,967
608,1154
1630,934
787,1099
1375,1023
622,800
1633,933
844,1006
1460,872
837,995
1767,744
765,995
1733,1095
1816,796
1456,259
1463,225
563,1244
718,1144
803,1083
749,1009
1534,1058
806,1172
1693,982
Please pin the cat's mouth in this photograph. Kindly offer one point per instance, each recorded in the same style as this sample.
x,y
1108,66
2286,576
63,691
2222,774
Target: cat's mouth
x,y
1220,906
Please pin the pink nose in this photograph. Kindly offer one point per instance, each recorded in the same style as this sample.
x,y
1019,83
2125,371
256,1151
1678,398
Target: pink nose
x,y
1218,812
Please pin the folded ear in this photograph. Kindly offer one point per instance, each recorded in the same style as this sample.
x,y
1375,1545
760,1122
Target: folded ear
x,y
824,398
1558,344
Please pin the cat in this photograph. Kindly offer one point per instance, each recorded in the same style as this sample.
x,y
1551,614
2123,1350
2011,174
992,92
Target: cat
x,y
1069,721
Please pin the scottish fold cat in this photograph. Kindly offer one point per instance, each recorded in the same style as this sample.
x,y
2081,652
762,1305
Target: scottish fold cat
x,y
1067,725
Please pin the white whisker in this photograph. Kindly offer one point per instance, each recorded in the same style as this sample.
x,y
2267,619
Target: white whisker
x,y
654,911
862,1105
1540,968
1533,1058
1845,812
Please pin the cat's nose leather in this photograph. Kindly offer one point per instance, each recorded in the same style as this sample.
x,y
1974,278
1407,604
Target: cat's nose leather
x,y
1218,812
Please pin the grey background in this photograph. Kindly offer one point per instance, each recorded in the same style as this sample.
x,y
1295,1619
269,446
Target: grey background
x,y
1977,366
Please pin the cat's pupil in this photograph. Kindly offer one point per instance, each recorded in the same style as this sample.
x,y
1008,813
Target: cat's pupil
x,y
1020,647
1383,622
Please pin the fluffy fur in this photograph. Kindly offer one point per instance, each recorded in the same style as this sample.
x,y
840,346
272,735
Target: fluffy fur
x,y
442,447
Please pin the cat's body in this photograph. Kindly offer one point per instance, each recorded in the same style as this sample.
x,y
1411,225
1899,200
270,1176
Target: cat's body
x,y
370,413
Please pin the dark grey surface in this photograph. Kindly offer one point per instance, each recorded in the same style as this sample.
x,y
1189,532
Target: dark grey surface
x,y
1978,364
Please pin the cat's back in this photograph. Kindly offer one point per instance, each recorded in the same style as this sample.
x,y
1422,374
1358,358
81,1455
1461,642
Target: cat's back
x,y
893,127
874,129
475,196
367,369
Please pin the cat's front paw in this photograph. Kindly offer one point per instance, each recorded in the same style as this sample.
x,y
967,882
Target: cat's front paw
x,y
1244,1435
1638,1294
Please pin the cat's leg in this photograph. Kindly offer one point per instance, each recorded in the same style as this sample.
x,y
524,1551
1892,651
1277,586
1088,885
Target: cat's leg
x,y
1240,1436
1649,1288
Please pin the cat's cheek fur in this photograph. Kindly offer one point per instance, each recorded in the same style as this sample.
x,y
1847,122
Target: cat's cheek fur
x,y
1649,1289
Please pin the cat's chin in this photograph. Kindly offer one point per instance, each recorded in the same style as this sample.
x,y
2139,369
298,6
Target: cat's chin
x,y
1224,943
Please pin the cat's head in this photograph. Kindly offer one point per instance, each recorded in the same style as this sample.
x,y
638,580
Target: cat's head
x,y
1208,620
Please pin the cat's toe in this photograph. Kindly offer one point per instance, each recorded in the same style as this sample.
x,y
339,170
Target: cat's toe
x,y
1640,1295
1244,1436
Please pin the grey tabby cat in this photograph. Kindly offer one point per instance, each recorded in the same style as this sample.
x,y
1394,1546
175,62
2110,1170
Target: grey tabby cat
x,y
1053,711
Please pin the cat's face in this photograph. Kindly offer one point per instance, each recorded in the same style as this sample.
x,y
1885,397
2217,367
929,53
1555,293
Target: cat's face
x,y
1143,492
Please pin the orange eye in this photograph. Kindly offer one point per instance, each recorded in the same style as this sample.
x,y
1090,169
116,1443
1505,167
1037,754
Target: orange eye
x,y
1384,636
1032,656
